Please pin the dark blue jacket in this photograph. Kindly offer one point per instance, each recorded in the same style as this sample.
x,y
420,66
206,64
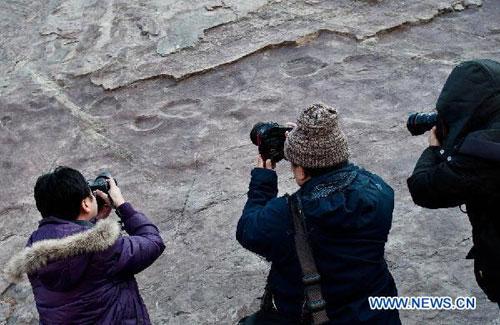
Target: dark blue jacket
x,y
349,215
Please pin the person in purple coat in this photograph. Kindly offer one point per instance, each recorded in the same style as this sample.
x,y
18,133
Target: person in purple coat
x,y
80,267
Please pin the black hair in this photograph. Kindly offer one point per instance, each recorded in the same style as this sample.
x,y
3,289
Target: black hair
x,y
60,193
313,172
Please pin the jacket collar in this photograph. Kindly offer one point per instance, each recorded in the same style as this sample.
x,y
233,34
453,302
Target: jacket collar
x,y
334,176
75,225
55,220
38,255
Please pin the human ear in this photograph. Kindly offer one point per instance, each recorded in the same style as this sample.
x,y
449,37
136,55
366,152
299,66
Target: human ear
x,y
301,175
86,205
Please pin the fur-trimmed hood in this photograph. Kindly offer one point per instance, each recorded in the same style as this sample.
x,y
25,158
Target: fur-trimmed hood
x,y
44,253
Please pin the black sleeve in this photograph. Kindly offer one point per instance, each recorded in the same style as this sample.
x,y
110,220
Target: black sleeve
x,y
439,183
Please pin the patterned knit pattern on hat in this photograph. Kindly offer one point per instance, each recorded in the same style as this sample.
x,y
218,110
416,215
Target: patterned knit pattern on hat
x,y
317,141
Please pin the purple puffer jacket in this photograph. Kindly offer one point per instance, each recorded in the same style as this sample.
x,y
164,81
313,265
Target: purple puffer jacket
x,y
83,274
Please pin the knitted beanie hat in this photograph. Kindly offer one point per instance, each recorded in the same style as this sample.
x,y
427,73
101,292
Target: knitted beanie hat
x,y
317,141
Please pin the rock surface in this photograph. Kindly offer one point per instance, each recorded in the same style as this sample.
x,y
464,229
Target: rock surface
x,y
164,94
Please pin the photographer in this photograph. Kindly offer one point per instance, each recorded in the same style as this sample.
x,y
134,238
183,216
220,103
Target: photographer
x,y
462,163
347,213
82,271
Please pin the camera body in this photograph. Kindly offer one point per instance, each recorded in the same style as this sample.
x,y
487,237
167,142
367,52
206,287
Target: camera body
x,y
270,138
100,183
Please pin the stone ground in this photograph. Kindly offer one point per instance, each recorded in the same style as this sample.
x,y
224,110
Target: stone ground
x,y
164,94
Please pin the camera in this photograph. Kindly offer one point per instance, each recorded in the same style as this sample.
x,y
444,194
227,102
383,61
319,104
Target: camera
x,y
419,123
270,138
100,183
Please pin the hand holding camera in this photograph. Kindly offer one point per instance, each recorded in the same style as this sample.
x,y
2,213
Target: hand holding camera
x,y
433,138
107,192
267,164
115,193
104,205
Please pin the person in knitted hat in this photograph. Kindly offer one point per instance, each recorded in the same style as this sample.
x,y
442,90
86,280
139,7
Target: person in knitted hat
x,y
348,214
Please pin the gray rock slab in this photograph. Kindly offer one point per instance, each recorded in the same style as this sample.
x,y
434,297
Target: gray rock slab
x,y
174,129
110,40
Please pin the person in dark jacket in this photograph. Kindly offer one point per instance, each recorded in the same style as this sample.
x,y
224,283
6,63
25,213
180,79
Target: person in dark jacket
x,y
461,166
82,272
348,213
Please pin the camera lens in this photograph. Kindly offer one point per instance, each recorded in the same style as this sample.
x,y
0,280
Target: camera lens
x,y
101,183
259,130
419,123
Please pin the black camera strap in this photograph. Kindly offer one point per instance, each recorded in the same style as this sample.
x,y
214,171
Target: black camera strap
x,y
310,276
